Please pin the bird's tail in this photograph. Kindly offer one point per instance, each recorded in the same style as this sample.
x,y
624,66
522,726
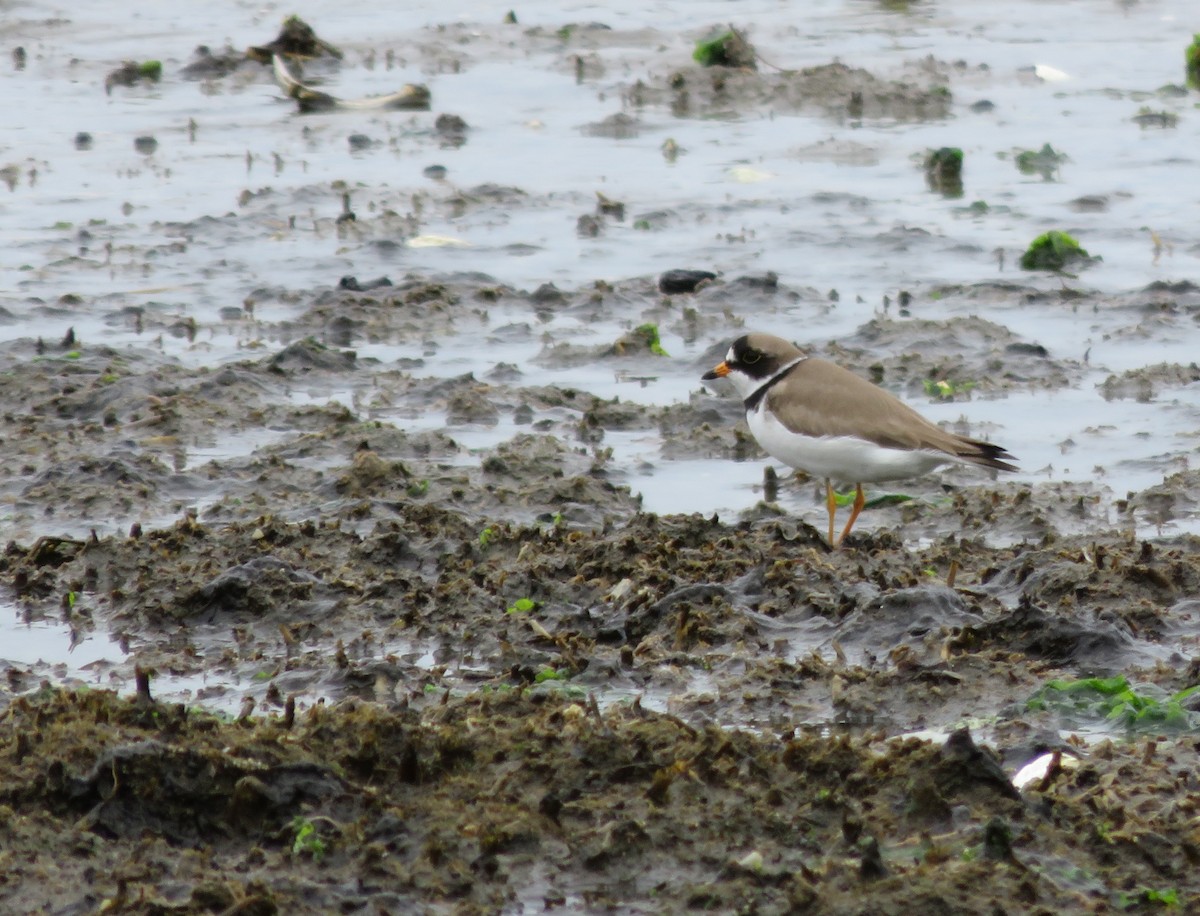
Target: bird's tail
x,y
986,455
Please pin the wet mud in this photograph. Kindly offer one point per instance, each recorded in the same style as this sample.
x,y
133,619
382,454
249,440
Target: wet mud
x,y
368,666
487,626
523,801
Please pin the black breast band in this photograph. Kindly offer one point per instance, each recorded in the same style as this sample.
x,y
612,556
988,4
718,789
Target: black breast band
x,y
751,403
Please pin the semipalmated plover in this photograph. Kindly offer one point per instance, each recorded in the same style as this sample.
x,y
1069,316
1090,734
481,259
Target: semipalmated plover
x,y
814,415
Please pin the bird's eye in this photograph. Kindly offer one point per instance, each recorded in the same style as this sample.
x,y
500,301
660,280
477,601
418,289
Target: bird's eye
x,y
751,357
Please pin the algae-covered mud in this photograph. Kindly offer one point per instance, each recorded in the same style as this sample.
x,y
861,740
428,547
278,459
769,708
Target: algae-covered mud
x,y
521,802
371,545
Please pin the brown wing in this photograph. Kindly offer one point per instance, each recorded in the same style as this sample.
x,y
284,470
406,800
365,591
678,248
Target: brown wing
x,y
820,398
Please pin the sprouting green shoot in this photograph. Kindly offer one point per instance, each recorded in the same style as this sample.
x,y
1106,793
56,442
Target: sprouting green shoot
x,y
307,841
522,606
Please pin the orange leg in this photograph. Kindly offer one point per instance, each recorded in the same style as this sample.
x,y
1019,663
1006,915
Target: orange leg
x,y
831,505
859,500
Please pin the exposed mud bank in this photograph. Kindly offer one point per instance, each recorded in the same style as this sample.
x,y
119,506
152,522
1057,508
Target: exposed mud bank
x,y
522,801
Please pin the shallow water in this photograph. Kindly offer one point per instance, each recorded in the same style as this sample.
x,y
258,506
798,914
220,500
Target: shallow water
x,y
817,221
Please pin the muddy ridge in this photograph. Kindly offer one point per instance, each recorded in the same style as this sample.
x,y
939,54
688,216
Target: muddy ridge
x,y
516,799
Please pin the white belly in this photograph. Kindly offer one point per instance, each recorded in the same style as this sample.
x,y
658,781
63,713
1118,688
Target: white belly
x,y
841,458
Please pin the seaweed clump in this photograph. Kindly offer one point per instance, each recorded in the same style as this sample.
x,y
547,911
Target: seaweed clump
x,y
1044,162
1054,250
943,171
132,72
728,48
